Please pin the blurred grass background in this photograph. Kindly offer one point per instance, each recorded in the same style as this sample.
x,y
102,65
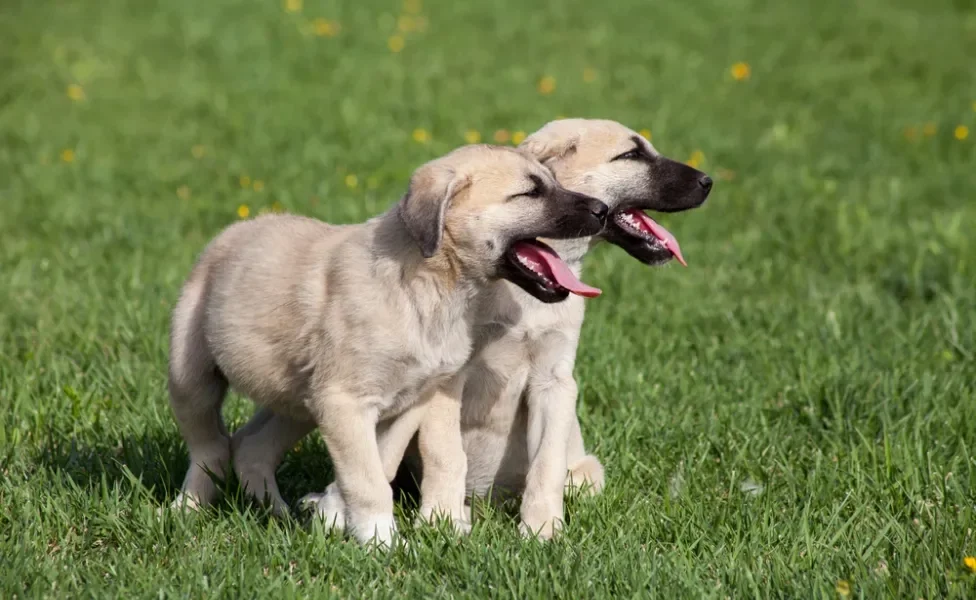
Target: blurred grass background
x,y
791,416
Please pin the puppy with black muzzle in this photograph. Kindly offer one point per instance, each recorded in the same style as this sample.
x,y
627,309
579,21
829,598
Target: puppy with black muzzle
x,y
521,433
342,327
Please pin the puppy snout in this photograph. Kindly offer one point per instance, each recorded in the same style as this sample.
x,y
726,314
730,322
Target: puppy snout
x,y
705,182
598,209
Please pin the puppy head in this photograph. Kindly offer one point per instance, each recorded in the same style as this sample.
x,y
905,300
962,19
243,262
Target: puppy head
x,y
483,206
611,162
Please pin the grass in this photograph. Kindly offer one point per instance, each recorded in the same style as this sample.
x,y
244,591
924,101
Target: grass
x,y
794,410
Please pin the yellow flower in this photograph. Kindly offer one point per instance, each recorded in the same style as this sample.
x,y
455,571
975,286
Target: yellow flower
x,y
502,136
412,6
276,207
589,75
961,132
547,85
68,155
421,136
76,92
258,185
325,27
245,181
645,133
843,588
198,150
970,563
911,133
697,158
352,182
472,136
929,129
406,23
517,137
395,43
740,71
183,192
243,211
293,6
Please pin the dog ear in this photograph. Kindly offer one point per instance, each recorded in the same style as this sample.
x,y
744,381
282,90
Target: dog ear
x,y
545,147
424,206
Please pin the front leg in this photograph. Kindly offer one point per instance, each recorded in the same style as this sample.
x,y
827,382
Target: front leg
x,y
551,403
393,436
442,452
348,425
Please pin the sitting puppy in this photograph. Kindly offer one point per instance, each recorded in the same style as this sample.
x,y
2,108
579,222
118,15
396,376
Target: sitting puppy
x,y
521,434
340,327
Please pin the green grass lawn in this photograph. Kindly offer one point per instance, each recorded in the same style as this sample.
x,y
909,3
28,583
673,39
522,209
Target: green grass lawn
x,y
794,415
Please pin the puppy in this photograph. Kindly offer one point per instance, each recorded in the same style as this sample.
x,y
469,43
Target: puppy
x,y
341,327
519,424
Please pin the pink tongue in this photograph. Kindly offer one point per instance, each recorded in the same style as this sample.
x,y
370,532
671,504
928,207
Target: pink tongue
x,y
658,231
540,253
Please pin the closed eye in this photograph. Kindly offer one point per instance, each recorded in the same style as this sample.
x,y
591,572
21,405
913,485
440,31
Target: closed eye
x,y
635,154
537,189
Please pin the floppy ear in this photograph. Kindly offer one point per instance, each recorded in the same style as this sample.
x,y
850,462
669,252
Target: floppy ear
x,y
424,206
546,147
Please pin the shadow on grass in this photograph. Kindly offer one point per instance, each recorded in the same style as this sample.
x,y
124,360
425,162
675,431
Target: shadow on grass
x,y
156,461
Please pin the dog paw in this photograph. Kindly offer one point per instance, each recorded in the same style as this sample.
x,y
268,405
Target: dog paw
x,y
328,507
586,476
545,531
184,503
375,532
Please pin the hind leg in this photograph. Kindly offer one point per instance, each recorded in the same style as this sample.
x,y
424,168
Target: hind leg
x,y
258,448
196,390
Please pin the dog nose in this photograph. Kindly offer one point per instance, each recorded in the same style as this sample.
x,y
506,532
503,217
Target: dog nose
x,y
599,210
706,183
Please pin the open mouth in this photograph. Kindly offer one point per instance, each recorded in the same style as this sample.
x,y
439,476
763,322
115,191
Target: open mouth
x,y
645,238
536,268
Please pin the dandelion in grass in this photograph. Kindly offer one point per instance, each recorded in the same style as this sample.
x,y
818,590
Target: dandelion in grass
x,y
517,137
258,185
183,192
352,182
198,151
421,136
741,71
68,155
502,136
325,27
276,207
645,133
843,588
589,75
472,136
929,129
293,6
243,211
245,181
76,92
696,160
970,563
395,43
961,132
547,85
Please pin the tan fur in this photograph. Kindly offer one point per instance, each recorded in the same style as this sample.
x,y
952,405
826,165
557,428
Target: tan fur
x,y
342,328
524,349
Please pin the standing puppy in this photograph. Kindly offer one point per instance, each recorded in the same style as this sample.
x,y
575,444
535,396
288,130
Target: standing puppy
x,y
519,424
342,327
